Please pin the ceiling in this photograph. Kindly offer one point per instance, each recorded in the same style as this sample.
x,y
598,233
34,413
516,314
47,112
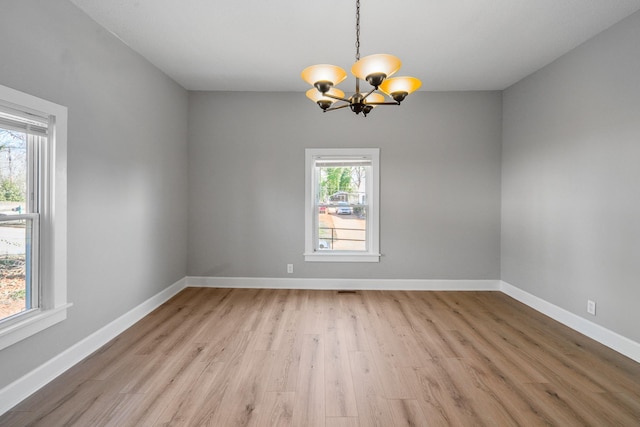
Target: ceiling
x,y
263,45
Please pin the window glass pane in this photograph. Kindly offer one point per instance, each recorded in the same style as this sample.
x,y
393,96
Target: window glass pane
x,y
13,172
15,236
15,271
342,231
341,221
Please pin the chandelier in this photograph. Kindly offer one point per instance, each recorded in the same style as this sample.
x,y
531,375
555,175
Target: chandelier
x,y
375,69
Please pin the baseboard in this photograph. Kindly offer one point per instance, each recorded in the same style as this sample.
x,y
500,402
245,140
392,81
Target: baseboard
x,y
23,387
604,336
331,284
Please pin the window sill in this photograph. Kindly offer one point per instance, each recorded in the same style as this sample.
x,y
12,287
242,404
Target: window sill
x,y
341,257
23,326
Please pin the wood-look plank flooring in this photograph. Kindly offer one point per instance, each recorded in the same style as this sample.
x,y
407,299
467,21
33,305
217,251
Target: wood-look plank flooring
x,y
243,357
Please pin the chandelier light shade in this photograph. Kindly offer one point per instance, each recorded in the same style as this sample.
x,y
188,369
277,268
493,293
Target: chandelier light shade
x,y
399,87
374,98
323,76
374,69
323,100
371,102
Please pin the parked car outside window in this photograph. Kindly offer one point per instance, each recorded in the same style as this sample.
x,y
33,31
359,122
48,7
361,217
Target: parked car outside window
x,y
344,209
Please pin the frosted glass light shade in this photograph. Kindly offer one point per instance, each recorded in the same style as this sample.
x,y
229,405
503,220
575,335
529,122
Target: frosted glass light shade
x,y
374,97
377,64
366,107
400,84
315,95
323,73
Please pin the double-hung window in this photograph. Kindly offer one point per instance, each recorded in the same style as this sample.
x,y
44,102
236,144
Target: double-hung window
x,y
342,204
32,215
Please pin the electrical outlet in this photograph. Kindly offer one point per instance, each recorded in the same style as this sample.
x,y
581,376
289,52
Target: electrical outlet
x,y
591,307
289,268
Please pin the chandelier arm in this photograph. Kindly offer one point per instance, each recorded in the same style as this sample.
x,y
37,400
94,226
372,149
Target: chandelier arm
x,y
328,95
383,103
369,93
337,108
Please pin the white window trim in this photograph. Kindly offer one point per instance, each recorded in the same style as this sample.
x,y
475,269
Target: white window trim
x,y
373,215
53,244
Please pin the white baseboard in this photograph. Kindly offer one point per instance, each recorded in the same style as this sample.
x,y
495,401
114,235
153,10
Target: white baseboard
x,y
23,387
351,284
604,336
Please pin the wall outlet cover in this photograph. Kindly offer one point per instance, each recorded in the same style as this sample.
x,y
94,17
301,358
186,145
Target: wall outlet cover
x,y
591,307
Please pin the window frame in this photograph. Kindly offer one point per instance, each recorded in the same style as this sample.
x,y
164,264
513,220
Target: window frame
x,y
52,230
372,254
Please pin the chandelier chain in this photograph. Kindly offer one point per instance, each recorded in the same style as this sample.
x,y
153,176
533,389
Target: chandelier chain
x,y
357,30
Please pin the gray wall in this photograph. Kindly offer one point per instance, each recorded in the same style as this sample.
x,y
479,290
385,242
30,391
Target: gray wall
x,y
127,167
571,180
570,196
440,184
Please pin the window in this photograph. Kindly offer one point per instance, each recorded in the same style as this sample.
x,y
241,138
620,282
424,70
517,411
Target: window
x,y
32,215
342,202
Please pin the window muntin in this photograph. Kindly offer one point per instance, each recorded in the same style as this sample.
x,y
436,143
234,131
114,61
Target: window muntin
x,y
342,208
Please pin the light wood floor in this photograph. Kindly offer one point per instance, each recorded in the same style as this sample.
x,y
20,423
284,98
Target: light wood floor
x,y
222,357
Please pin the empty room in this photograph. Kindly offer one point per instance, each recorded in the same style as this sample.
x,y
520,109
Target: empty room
x,y
335,213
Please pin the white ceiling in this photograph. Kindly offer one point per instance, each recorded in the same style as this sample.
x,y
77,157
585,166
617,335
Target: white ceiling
x,y
263,45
